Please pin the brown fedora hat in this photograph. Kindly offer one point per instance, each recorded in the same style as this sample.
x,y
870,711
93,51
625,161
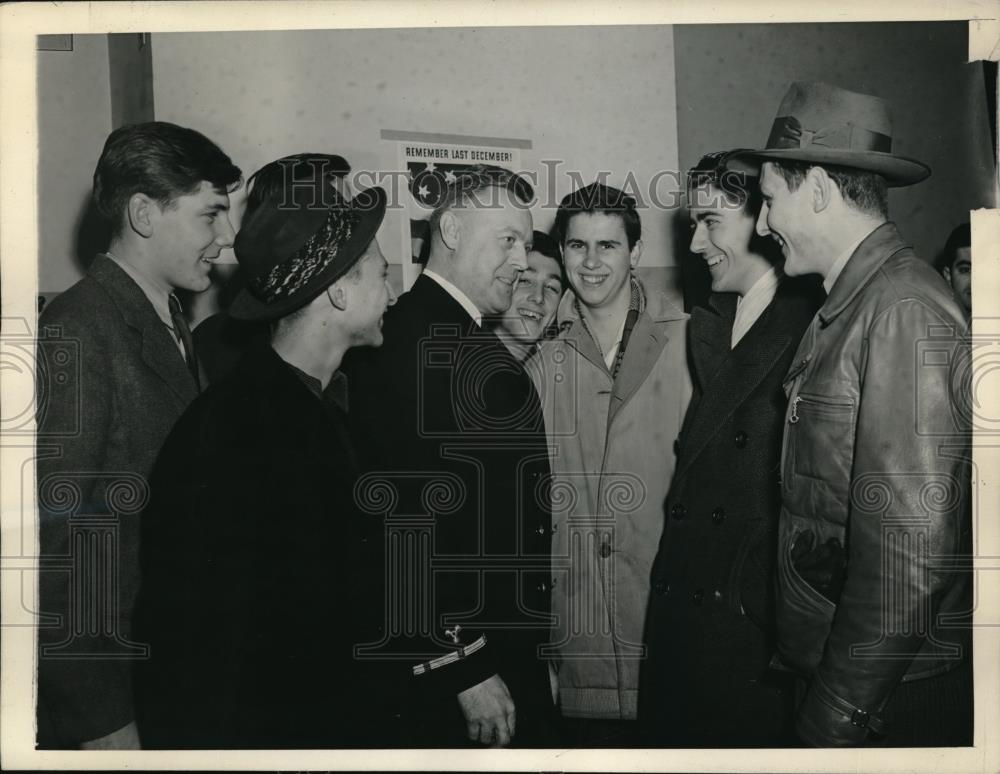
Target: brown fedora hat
x,y
826,125
298,241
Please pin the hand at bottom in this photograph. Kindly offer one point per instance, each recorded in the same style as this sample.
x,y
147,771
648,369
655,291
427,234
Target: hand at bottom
x,y
489,712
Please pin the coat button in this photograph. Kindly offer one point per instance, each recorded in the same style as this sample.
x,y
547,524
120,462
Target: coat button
x,y
718,516
543,587
741,439
717,596
698,597
605,549
540,529
678,511
660,588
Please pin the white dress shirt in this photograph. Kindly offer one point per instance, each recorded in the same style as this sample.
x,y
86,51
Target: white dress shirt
x,y
751,306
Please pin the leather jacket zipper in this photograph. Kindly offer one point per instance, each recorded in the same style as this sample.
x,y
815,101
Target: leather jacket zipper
x,y
793,416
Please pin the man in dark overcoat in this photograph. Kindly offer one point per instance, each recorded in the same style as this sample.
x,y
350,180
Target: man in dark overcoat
x,y
118,368
256,562
710,621
456,446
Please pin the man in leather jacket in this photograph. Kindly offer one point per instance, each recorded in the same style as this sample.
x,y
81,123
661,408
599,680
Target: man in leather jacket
x,y
871,609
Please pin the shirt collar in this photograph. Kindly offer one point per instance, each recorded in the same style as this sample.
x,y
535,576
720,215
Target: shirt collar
x,y
750,307
458,295
765,286
158,297
840,263
336,388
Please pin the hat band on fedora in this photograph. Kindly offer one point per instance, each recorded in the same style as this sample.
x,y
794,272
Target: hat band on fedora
x,y
787,133
319,251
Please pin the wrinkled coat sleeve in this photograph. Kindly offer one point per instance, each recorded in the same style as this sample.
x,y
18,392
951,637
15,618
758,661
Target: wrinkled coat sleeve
x,y
906,490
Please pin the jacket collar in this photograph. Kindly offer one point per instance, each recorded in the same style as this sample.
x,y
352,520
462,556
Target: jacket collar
x,y
659,307
868,258
157,348
649,336
282,402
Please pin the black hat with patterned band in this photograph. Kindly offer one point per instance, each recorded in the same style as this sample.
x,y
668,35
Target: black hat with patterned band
x,y
296,244
826,125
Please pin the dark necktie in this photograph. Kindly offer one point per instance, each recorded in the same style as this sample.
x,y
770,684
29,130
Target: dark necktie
x,y
183,333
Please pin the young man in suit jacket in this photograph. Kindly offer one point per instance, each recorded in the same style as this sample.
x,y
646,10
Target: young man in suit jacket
x,y
119,368
455,442
710,620
257,566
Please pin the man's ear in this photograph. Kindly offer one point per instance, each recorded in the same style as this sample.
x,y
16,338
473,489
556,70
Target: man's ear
x,y
450,227
142,212
636,253
946,273
337,295
821,188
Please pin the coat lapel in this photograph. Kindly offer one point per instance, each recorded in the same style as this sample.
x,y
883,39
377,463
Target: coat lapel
x,y
156,348
739,372
648,338
644,347
710,331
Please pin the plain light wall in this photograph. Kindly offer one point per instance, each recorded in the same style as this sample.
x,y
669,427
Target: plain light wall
x,y
731,78
74,120
593,98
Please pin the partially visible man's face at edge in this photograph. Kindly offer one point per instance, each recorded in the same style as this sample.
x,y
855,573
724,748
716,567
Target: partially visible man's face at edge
x,y
535,299
959,276
494,240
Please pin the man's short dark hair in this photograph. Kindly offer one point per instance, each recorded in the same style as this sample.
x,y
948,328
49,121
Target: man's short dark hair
x,y
546,245
595,198
273,178
549,247
159,159
865,191
711,170
471,181
961,236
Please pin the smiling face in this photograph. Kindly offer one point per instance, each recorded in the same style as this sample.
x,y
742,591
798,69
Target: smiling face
x,y
535,300
786,216
187,236
491,250
598,259
721,234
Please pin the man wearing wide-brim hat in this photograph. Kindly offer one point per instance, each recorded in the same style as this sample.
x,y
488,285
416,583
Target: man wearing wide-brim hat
x,y
875,466
254,555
